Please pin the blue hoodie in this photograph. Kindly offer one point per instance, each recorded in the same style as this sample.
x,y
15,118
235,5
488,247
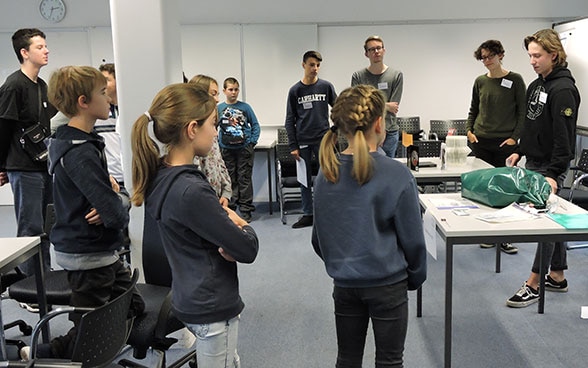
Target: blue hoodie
x,y
80,183
193,225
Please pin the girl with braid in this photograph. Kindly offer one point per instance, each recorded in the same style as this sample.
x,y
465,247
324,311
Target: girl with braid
x,y
367,230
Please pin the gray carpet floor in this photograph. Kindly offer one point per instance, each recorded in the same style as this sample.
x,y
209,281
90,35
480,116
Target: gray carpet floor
x,y
288,319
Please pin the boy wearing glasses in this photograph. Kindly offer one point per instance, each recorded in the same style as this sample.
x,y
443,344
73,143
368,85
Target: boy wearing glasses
x,y
386,79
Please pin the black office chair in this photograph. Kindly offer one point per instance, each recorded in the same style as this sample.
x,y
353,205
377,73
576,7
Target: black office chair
x,y
429,148
150,329
440,128
287,185
57,287
575,193
410,125
101,335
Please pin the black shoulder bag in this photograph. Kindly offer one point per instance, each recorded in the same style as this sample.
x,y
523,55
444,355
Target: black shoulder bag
x,y
33,137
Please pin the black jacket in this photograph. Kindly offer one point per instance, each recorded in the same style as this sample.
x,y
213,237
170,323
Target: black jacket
x,y
549,133
80,183
193,226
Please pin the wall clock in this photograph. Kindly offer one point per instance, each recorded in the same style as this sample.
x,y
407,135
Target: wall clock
x,y
52,10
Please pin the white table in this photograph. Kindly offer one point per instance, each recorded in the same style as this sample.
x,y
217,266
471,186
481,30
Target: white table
x,y
14,251
450,173
455,230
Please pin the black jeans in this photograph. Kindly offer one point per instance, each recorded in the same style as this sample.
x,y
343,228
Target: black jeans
x,y
92,288
239,163
387,307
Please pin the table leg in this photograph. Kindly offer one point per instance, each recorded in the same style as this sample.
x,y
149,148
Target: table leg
x,y
541,307
420,302
269,180
41,296
498,254
448,302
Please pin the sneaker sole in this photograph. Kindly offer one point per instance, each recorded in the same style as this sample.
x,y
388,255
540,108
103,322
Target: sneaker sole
x,y
521,304
487,246
557,290
509,251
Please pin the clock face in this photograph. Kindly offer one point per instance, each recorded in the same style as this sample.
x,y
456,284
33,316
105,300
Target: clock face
x,y
52,10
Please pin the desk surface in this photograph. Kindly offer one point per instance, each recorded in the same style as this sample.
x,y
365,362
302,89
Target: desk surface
x,y
457,227
267,140
450,172
14,248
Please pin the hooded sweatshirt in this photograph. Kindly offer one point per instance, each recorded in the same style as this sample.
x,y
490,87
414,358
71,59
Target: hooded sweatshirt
x,y
81,182
193,226
549,132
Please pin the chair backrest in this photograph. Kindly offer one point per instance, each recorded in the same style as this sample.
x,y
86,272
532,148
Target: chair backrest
x,y
428,148
582,163
282,136
441,127
103,332
411,125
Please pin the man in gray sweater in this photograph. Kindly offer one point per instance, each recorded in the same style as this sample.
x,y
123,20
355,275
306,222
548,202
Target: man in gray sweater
x,y
386,79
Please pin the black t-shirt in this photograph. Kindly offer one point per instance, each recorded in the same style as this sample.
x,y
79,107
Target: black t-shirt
x,y
20,109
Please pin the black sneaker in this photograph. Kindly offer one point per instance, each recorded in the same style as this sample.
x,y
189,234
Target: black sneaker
x,y
552,285
487,245
304,221
524,297
246,215
508,248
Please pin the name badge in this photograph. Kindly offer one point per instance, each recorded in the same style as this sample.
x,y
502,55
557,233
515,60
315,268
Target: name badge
x,y
543,97
506,83
383,85
307,105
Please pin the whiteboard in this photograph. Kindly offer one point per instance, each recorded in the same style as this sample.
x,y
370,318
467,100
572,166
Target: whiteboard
x,y
272,63
213,50
574,36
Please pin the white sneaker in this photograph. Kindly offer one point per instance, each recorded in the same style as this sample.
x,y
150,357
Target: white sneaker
x,y
25,353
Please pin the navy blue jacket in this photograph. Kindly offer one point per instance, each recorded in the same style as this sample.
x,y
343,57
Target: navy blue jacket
x,y
193,225
80,183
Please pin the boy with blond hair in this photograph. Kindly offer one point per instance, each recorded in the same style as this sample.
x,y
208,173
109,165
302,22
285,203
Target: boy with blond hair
x,y
90,213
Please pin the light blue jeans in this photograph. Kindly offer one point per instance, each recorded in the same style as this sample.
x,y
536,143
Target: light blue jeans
x,y
33,191
390,143
217,343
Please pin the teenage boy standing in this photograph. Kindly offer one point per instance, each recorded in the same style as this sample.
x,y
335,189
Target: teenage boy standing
x,y
23,103
386,79
307,121
548,141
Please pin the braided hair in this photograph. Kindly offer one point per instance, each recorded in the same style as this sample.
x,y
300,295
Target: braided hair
x,y
354,113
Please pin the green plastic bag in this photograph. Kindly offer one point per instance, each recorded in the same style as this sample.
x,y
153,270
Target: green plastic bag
x,y
501,186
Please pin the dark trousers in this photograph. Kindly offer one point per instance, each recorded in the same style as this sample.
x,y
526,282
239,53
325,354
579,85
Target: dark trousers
x,y
489,150
92,288
555,254
387,307
307,153
239,163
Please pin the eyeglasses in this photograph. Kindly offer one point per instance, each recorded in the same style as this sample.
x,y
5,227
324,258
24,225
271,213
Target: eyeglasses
x,y
488,57
371,50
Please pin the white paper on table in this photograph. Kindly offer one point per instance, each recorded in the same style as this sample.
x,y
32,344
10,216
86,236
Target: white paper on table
x,y
430,230
584,313
301,171
510,213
